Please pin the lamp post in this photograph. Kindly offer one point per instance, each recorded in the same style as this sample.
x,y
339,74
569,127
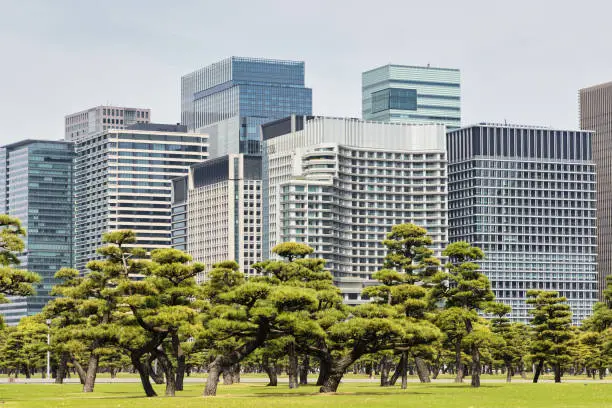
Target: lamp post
x,y
48,349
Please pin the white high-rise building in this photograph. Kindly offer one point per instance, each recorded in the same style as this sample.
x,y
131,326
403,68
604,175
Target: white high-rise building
x,y
91,121
339,185
217,211
123,181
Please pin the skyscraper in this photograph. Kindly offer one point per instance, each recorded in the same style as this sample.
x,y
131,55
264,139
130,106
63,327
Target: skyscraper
x,y
96,120
36,186
339,185
410,94
526,196
123,181
596,115
230,99
217,211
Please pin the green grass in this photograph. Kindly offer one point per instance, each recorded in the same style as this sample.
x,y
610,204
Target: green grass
x,y
357,395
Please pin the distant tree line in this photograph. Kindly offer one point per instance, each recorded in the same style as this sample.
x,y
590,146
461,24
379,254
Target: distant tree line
x,y
145,313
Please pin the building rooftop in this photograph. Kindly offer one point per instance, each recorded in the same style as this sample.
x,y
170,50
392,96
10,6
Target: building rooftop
x,y
413,66
30,141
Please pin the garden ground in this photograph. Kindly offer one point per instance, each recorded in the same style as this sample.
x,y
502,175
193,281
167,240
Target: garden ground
x,y
351,394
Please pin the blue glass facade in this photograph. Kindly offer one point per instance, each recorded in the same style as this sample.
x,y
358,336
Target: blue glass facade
x,y
36,179
408,94
232,98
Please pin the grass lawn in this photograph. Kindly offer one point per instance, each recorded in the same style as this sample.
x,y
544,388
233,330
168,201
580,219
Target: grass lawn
x,y
591,395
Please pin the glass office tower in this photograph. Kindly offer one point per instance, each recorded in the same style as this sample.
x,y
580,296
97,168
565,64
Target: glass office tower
x,y
230,99
409,94
527,197
36,179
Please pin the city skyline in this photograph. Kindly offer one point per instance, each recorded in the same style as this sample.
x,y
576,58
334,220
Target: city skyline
x,y
510,68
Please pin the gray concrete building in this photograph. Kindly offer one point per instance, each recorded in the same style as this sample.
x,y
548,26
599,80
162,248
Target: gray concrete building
x,y
82,124
216,211
123,181
527,197
596,115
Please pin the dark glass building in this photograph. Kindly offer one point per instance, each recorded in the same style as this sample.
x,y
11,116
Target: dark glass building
x,y
527,197
230,99
36,186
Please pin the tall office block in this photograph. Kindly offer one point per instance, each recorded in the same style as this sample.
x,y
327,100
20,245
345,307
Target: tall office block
x,y
123,181
596,115
82,124
36,186
526,196
339,185
217,211
409,94
230,99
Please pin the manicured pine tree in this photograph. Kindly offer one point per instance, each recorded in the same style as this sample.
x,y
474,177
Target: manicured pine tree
x,y
552,331
13,281
406,282
464,286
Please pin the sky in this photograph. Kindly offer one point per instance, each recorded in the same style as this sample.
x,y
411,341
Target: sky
x,y
521,61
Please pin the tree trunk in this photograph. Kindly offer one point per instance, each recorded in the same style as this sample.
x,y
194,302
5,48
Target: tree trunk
x,y
227,376
404,370
538,371
92,371
292,369
324,369
304,368
557,369
168,368
79,370
143,372
459,377
62,367
214,370
521,368
156,375
384,371
179,355
270,370
475,366
336,373
235,373
508,373
398,371
422,370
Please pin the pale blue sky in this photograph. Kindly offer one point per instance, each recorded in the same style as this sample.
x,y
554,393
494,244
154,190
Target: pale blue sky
x,y
522,61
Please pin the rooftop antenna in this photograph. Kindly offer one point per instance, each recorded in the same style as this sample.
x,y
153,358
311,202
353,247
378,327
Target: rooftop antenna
x,y
505,122
428,65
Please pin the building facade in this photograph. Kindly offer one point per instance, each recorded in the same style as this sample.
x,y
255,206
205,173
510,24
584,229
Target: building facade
x,y
527,197
230,99
82,124
217,211
123,181
410,94
36,186
339,185
596,115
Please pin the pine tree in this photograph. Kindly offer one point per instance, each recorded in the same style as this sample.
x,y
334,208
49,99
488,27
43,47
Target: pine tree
x,y
552,331
13,281
464,286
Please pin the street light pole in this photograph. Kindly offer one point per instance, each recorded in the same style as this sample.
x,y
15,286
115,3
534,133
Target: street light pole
x,y
48,349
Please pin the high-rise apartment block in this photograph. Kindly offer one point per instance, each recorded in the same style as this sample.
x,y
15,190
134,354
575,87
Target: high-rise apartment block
x,y
96,120
339,185
123,181
230,99
217,211
527,197
36,186
410,94
596,115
